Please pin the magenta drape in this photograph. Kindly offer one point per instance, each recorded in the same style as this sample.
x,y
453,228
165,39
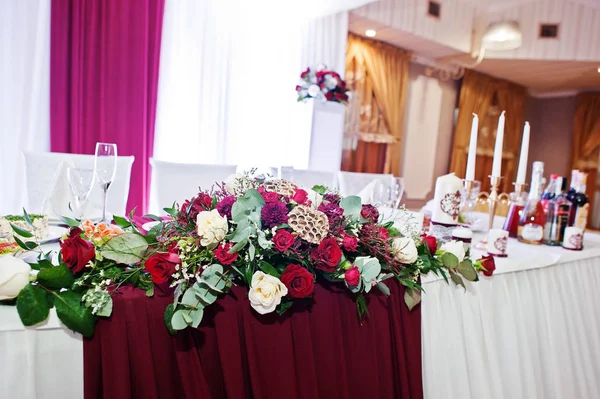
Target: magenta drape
x,y
316,350
104,60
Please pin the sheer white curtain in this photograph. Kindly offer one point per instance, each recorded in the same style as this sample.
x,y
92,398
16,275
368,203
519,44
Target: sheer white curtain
x,y
24,93
227,77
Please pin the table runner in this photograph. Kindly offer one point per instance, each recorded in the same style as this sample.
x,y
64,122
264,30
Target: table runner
x,y
316,350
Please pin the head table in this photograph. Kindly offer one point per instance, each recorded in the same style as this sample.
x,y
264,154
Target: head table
x,y
531,331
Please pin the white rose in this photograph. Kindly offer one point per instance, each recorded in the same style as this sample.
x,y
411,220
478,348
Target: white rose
x,y
266,292
456,248
212,227
14,276
314,197
405,250
313,90
232,184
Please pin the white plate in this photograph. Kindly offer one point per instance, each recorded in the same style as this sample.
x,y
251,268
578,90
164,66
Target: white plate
x,y
54,233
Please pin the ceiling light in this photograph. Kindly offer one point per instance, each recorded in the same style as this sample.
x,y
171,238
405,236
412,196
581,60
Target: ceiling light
x,y
502,36
598,70
370,33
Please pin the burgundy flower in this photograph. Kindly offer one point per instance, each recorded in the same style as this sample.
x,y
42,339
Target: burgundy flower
x,y
370,213
431,242
191,208
299,281
488,263
349,243
300,196
223,255
335,216
327,255
384,234
270,196
329,96
352,276
161,266
332,198
76,252
273,214
224,206
283,240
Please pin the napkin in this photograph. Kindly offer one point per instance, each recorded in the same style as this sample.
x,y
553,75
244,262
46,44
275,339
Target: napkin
x,y
367,193
59,196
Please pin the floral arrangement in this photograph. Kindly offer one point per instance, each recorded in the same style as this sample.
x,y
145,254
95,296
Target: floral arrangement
x,y
323,84
277,239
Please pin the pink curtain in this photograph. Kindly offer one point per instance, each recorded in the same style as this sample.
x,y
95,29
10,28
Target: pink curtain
x,y
104,60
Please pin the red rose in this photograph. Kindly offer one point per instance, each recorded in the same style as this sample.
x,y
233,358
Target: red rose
x,y
488,263
161,266
283,240
299,281
370,213
327,255
270,197
76,252
384,234
223,255
300,196
349,243
352,276
329,96
431,242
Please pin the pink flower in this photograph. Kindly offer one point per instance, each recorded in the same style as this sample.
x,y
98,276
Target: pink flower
x,y
270,196
352,276
300,196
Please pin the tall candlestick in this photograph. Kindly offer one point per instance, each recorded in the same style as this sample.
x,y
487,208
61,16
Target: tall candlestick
x,y
470,175
522,171
497,164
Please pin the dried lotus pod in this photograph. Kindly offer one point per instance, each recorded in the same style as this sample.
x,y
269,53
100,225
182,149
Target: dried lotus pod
x,y
310,224
282,187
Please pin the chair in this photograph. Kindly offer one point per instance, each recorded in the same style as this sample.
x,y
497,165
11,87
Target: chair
x,y
307,178
352,183
40,170
176,182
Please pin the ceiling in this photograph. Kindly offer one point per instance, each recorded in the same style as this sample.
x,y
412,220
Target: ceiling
x,y
543,69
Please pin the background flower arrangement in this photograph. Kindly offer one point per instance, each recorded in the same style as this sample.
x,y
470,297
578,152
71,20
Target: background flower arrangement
x,y
277,239
323,84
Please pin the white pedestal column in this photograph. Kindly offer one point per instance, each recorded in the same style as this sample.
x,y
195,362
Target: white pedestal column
x,y
326,137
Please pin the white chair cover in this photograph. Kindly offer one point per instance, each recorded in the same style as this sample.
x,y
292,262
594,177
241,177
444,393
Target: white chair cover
x,y
361,184
308,178
176,182
45,169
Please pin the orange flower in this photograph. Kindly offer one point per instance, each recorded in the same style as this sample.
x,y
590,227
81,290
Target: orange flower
x,y
88,228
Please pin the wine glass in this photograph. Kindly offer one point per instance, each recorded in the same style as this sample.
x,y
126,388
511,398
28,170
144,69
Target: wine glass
x,y
396,192
81,182
105,165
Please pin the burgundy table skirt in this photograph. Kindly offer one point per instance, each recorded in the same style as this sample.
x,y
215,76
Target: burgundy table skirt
x,y
316,350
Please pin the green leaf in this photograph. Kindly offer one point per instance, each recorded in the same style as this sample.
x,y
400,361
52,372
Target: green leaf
x,y
33,305
268,269
283,307
106,309
457,280
449,260
352,207
153,217
56,277
196,315
383,288
412,298
73,314
44,264
27,218
319,189
28,245
238,246
251,251
70,222
171,211
121,221
178,321
169,317
128,248
150,291
21,232
467,270
262,240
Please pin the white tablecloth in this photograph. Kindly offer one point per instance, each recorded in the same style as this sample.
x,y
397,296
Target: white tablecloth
x,y
531,331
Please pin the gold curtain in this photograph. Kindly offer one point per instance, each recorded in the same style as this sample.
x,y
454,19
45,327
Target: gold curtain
x,y
385,69
586,142
488,97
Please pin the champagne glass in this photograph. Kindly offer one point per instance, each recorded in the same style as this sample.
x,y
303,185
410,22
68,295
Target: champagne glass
x,y
105,165
81,182
396,192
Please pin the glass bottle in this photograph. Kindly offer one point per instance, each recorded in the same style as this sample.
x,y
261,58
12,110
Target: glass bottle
x,y
511,223
533,219
557,219
581,203
549,192
571,193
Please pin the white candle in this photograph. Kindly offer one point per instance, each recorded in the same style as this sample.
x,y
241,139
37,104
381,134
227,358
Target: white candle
x,y
497,165
522,171
470,175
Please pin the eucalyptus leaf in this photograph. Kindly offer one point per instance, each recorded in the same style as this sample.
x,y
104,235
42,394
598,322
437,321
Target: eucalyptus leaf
x,y
196,315
251,251
449,260
352,206
457,280
106,309
127,248
177,320
33,305
238,246
467,270
189,297
262,240
383,288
